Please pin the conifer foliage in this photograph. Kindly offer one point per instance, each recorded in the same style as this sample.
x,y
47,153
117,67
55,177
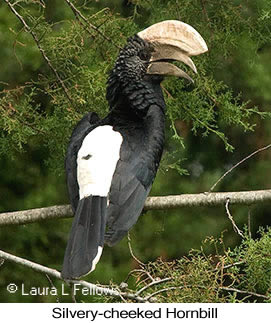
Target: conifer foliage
x,y
56,57
75,49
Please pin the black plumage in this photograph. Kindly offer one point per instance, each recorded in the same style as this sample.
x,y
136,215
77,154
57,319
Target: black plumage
x,y
87,234
84,126
136,122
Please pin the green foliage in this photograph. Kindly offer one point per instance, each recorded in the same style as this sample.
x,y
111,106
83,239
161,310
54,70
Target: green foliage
x,y
19,119
257,258
239,275
227,107
82,58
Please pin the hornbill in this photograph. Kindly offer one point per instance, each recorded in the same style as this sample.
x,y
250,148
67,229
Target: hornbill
x,y
111,163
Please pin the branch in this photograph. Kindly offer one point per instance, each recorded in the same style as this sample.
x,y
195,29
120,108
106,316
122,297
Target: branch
x,y
35,215
132,253
152,203
229,289
156,282
78,14
107,290
56,274
36,39
239,163
235,227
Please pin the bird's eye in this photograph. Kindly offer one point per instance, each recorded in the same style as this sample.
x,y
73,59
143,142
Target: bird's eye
x,y
144,56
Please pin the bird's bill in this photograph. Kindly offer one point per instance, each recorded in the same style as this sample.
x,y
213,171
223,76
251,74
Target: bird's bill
x,y
173,40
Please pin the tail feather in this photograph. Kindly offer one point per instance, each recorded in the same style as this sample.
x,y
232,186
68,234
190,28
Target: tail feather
x,y
86,239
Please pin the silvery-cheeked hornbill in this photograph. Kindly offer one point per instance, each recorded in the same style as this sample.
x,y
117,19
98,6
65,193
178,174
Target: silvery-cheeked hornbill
x,y
111,163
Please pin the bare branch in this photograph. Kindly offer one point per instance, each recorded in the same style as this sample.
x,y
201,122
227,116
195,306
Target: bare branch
x,y
37,41
78,14
152,203
106,290
142,271
239,163
56,274
229,266
235,227
132,253
206,199
229,289
149,297
35,215
52,284
156,282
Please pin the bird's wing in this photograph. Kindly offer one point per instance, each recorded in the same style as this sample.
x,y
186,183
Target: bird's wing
x,y
130,187
84,126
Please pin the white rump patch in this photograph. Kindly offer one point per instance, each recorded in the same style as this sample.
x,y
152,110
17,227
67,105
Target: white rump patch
x,y
97,160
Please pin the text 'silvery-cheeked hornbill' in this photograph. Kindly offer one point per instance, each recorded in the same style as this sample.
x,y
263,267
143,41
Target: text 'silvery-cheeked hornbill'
x,y
111,163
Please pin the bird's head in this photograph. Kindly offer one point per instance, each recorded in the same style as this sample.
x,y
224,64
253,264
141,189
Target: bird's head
x,y
148,54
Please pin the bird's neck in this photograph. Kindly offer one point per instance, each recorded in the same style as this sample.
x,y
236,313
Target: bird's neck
x,y
132,100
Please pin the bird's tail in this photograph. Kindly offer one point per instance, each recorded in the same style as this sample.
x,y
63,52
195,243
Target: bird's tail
x,y
86,238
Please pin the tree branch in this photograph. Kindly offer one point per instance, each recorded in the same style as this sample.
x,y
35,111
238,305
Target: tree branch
x,y
239,163
56,274
229,289
152,203
78,14
36,39
108,290
235,227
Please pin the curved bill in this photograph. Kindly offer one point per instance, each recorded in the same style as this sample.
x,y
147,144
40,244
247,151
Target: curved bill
x,y
173,40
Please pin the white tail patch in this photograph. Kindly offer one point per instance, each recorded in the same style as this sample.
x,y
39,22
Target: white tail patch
x,y
97,258
97,160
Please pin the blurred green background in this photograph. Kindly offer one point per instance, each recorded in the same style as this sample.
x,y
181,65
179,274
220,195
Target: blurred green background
x,y
32,147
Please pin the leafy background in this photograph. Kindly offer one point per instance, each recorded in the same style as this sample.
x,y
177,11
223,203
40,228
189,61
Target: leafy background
x,y
210,126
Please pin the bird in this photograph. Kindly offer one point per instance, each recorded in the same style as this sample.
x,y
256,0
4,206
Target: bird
x,y
111,163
